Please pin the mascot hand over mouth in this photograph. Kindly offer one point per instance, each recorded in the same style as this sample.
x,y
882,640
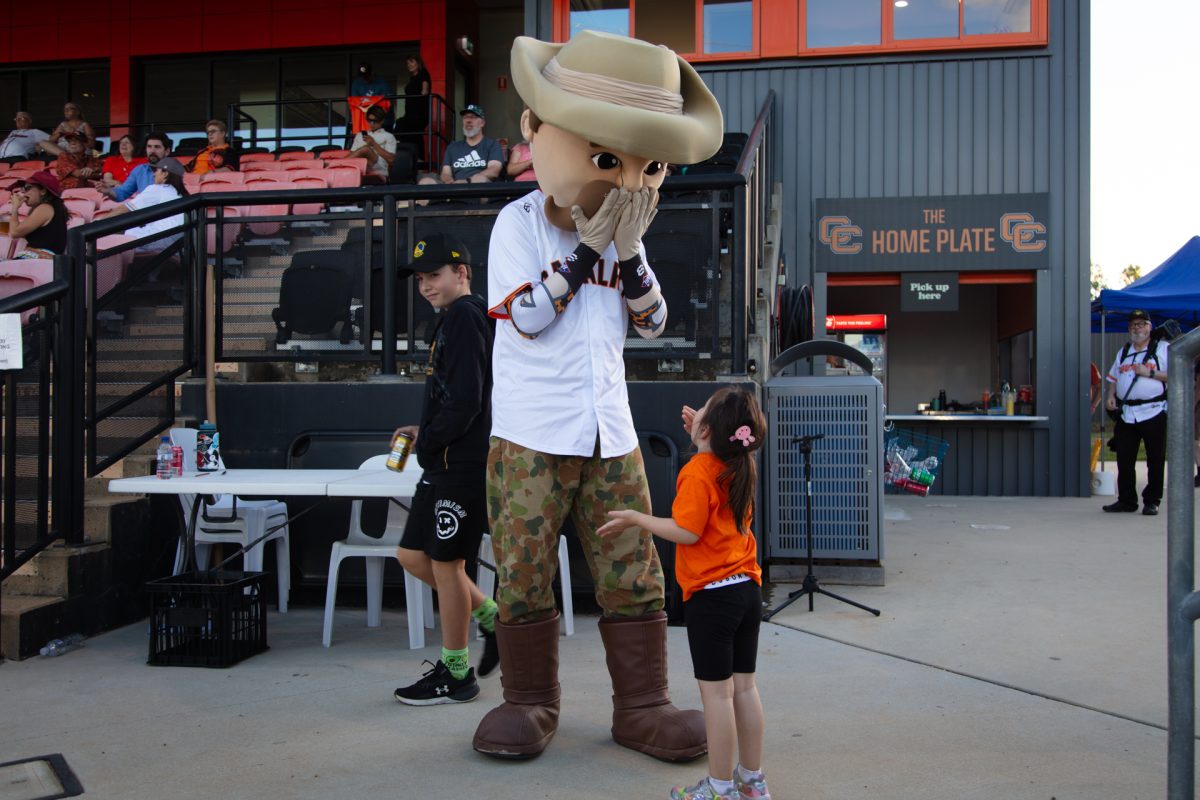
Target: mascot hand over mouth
x,y
567,275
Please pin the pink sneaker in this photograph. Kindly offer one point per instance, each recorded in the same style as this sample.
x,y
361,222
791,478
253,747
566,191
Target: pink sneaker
x,y
753,789
701,791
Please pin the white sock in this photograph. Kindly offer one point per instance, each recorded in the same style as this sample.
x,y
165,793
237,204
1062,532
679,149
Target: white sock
x,y
721,787
747,775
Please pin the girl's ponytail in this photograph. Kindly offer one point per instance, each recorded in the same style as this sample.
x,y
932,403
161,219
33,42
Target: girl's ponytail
x,y
738,429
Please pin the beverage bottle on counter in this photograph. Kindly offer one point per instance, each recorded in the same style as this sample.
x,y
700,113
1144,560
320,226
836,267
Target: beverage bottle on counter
x,y
177,460
401,448
56,647
165,463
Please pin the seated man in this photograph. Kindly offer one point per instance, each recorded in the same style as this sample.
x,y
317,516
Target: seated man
x,y
475,158
24,138
219,156
376,145
157,147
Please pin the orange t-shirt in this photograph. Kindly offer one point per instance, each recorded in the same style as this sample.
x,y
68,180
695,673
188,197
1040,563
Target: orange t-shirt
x,y
702,507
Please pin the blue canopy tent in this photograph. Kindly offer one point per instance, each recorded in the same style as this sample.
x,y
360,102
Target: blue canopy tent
x,y
1172,291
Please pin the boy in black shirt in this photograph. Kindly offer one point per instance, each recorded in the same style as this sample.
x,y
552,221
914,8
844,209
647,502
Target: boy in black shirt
x,y
449,514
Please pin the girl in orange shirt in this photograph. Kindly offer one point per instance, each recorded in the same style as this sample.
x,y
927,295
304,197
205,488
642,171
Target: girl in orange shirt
x,y
717,568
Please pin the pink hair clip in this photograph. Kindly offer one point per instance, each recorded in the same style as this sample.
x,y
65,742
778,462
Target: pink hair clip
x,y
742,435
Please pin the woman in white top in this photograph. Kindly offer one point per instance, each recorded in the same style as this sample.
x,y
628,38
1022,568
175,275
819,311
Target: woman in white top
x,y
167,186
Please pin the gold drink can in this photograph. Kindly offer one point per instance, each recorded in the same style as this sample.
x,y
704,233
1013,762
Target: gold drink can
x,y
401,448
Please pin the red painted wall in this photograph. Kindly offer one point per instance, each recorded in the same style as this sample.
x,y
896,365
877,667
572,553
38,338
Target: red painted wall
x,y
121,30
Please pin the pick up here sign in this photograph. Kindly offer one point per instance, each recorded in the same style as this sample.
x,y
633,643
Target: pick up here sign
x,y
929,291
988,232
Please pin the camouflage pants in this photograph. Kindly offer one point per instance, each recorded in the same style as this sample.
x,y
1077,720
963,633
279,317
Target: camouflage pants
x,y
530,494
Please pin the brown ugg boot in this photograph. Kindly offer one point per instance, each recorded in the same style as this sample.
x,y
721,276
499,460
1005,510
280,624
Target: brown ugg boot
x,y
525,722
643,717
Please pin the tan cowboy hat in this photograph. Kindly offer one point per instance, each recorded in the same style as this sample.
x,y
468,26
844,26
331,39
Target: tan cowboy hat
x,y
622,93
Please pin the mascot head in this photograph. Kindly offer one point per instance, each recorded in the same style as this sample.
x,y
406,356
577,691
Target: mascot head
x,y
607,111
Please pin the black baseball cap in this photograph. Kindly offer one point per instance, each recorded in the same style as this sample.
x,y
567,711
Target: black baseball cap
x,y
434,251
477,110
1140,314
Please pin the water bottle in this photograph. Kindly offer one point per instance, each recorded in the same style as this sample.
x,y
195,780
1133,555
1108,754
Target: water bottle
x,y
177,460
165,466
56,647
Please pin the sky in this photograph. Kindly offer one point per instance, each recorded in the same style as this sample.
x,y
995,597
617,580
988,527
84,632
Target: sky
x,y
1145,132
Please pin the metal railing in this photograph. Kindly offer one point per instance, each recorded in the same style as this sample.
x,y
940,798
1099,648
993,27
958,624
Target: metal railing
x,y
1183,604
334,128
31,517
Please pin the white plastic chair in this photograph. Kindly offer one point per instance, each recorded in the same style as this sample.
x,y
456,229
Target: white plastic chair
x,y
418,596
217,523
486,579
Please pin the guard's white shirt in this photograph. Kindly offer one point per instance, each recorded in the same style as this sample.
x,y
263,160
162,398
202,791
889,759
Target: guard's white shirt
x,y
1143,388
556,392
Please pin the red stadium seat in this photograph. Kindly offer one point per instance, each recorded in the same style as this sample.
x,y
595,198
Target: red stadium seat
x,y
312,180
91,195
343,176
328,154
262,166
23,275
31,165
222,177
231,230
80,209
3,168
111,270
253,158
301,156
358,163
279,208
191,181
311,164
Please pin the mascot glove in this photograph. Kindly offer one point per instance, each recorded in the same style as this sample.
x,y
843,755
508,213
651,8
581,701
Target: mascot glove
x,y
597,232
635,218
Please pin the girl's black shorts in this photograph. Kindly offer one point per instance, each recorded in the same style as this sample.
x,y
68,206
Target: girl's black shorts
x,y
722,627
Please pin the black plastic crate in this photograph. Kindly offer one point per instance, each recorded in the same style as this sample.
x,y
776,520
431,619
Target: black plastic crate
x,y
207,619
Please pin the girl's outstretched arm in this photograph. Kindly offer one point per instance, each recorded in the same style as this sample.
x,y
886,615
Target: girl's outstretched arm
x,y
664,527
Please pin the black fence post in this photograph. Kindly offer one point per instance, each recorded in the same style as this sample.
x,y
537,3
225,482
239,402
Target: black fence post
x,y
388,367
69,393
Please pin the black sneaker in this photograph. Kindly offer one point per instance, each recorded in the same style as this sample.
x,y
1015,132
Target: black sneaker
x,y
1150,509
438,686
1120,507
491,655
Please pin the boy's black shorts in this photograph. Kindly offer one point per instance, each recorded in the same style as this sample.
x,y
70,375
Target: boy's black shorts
x,y
722,628
446,522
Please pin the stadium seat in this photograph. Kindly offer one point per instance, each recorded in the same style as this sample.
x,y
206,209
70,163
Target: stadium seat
x,y
111,269
91,195
223,177
325,155
3,167
358,163
307,180
302,155
262,166
230,233
314,297
33,165
23,275
80,209
302,164
288,148
343,176
245,159
191,181
275,209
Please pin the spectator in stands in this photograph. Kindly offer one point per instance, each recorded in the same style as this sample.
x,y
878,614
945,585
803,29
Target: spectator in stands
x,y
45,228
473,159
375,144
219,156
24,138
167,186
368,90
157,146
76,167
520,162
412,127
73,122
116,168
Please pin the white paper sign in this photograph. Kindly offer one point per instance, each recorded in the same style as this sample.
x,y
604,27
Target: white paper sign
x,y
10,341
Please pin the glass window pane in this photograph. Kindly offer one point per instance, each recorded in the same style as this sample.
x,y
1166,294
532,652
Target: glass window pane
x,y
45,93
667,22
844,23
175,92
925,19
89,88
247,80
10,101
610,16
728,26
308,81
995,16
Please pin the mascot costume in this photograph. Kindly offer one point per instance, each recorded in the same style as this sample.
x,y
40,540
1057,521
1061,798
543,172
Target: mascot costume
x,y
567,274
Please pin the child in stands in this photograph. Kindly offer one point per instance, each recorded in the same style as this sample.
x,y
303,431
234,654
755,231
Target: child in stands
x,y
717,568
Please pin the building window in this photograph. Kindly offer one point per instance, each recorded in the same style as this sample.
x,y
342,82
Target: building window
x,y
702,29
843,23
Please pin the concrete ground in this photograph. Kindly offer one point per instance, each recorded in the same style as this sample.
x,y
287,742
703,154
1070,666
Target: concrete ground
x,y
1021,655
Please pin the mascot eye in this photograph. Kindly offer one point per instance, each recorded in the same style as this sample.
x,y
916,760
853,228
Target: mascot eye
x,y
606,161
654,167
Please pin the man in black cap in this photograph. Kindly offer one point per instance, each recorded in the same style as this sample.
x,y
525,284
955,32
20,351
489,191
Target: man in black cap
x,y
1137,390
473,159
449,513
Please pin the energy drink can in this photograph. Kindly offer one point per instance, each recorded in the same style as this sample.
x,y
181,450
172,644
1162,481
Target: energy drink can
x,y
401,448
